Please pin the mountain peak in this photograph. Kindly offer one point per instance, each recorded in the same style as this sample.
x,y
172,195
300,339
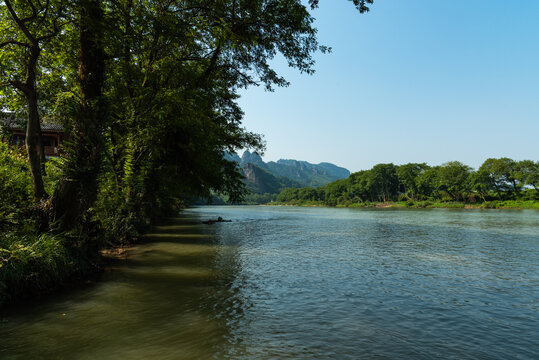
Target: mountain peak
x,y
252,158
285,172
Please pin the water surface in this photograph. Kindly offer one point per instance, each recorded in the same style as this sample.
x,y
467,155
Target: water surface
x,y
303,283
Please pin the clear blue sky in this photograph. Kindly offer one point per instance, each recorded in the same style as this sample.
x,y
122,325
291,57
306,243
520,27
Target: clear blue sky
x,y
411,81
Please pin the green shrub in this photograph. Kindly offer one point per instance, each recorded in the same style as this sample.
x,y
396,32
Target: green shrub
x,y
118,220
517,204
451,205
53,170
31,264
489,205
423,204
15,181
15,187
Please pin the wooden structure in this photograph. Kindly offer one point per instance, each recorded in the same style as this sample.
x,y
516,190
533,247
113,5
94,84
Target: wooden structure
x,y
52,134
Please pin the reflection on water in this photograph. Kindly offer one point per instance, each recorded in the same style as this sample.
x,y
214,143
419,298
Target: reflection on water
x,y
289,283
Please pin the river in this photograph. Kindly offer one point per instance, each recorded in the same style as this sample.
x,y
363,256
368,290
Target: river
x,y
303,283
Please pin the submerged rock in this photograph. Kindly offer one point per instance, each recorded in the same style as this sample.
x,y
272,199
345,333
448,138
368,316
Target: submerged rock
x,y
211,221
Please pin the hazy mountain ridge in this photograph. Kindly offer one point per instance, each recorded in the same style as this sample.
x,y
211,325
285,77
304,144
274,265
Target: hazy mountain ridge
x,y
273,176
262,181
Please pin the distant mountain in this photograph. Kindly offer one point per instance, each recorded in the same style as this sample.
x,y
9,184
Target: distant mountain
x,y
272,177
261,181
233,157
308,174
253,158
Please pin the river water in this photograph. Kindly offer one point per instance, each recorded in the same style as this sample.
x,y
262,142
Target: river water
x,y
303,283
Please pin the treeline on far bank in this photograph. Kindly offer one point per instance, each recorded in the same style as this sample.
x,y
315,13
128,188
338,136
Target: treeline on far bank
x,y
497,183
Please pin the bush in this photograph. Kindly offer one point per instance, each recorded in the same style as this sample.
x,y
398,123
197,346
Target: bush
x,y
118,220
423,204
53,169
31,264
517,204
489,204
15,187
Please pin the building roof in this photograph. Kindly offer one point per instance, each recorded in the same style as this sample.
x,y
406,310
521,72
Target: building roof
x,y
13,121
51,126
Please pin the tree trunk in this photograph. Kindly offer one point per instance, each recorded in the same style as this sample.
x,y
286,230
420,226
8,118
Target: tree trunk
x,y
31,149
498,191
77,191
32,127
515,186
41,146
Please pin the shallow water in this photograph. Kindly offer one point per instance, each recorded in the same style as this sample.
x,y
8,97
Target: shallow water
x,y
303,283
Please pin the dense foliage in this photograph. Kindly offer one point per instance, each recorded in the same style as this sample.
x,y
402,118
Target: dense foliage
x,y
147,91
32,261
496,180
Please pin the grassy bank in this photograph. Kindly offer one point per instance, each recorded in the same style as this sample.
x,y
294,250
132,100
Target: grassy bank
x,y
35,264
506,204
32,263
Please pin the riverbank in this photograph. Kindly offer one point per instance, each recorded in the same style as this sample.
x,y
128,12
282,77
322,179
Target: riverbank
x,y
36,261
33,265
505,204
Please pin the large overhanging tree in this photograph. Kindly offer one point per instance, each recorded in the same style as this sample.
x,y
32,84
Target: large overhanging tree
x,y
153,99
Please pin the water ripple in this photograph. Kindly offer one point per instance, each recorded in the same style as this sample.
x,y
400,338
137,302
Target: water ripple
x,y
298,283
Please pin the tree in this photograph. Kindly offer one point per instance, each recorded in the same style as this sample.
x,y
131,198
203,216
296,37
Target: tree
x,y
334,190
150,92
25,27
454,179
357,185
361,5
77,190
427,183
383,182
408,175
175,73
287,195
527,172
502,175
532,176
479,182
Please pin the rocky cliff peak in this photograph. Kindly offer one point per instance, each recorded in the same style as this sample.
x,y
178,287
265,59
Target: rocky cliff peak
x,y
252,158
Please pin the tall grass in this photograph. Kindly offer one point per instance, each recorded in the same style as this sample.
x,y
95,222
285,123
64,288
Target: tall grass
x,y
31,264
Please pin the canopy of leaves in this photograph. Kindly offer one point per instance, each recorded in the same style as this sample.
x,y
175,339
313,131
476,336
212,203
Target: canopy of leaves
x,y
452,181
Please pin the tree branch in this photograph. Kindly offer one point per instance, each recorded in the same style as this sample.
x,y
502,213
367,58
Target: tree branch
x,y
34,10
48,36
44,16
13,42
19,22
19,85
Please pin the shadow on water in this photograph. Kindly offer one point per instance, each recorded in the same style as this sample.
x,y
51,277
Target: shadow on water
x,y
158,301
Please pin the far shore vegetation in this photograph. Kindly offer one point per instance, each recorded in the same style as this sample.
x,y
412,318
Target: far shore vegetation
x,y
508,204
498,184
